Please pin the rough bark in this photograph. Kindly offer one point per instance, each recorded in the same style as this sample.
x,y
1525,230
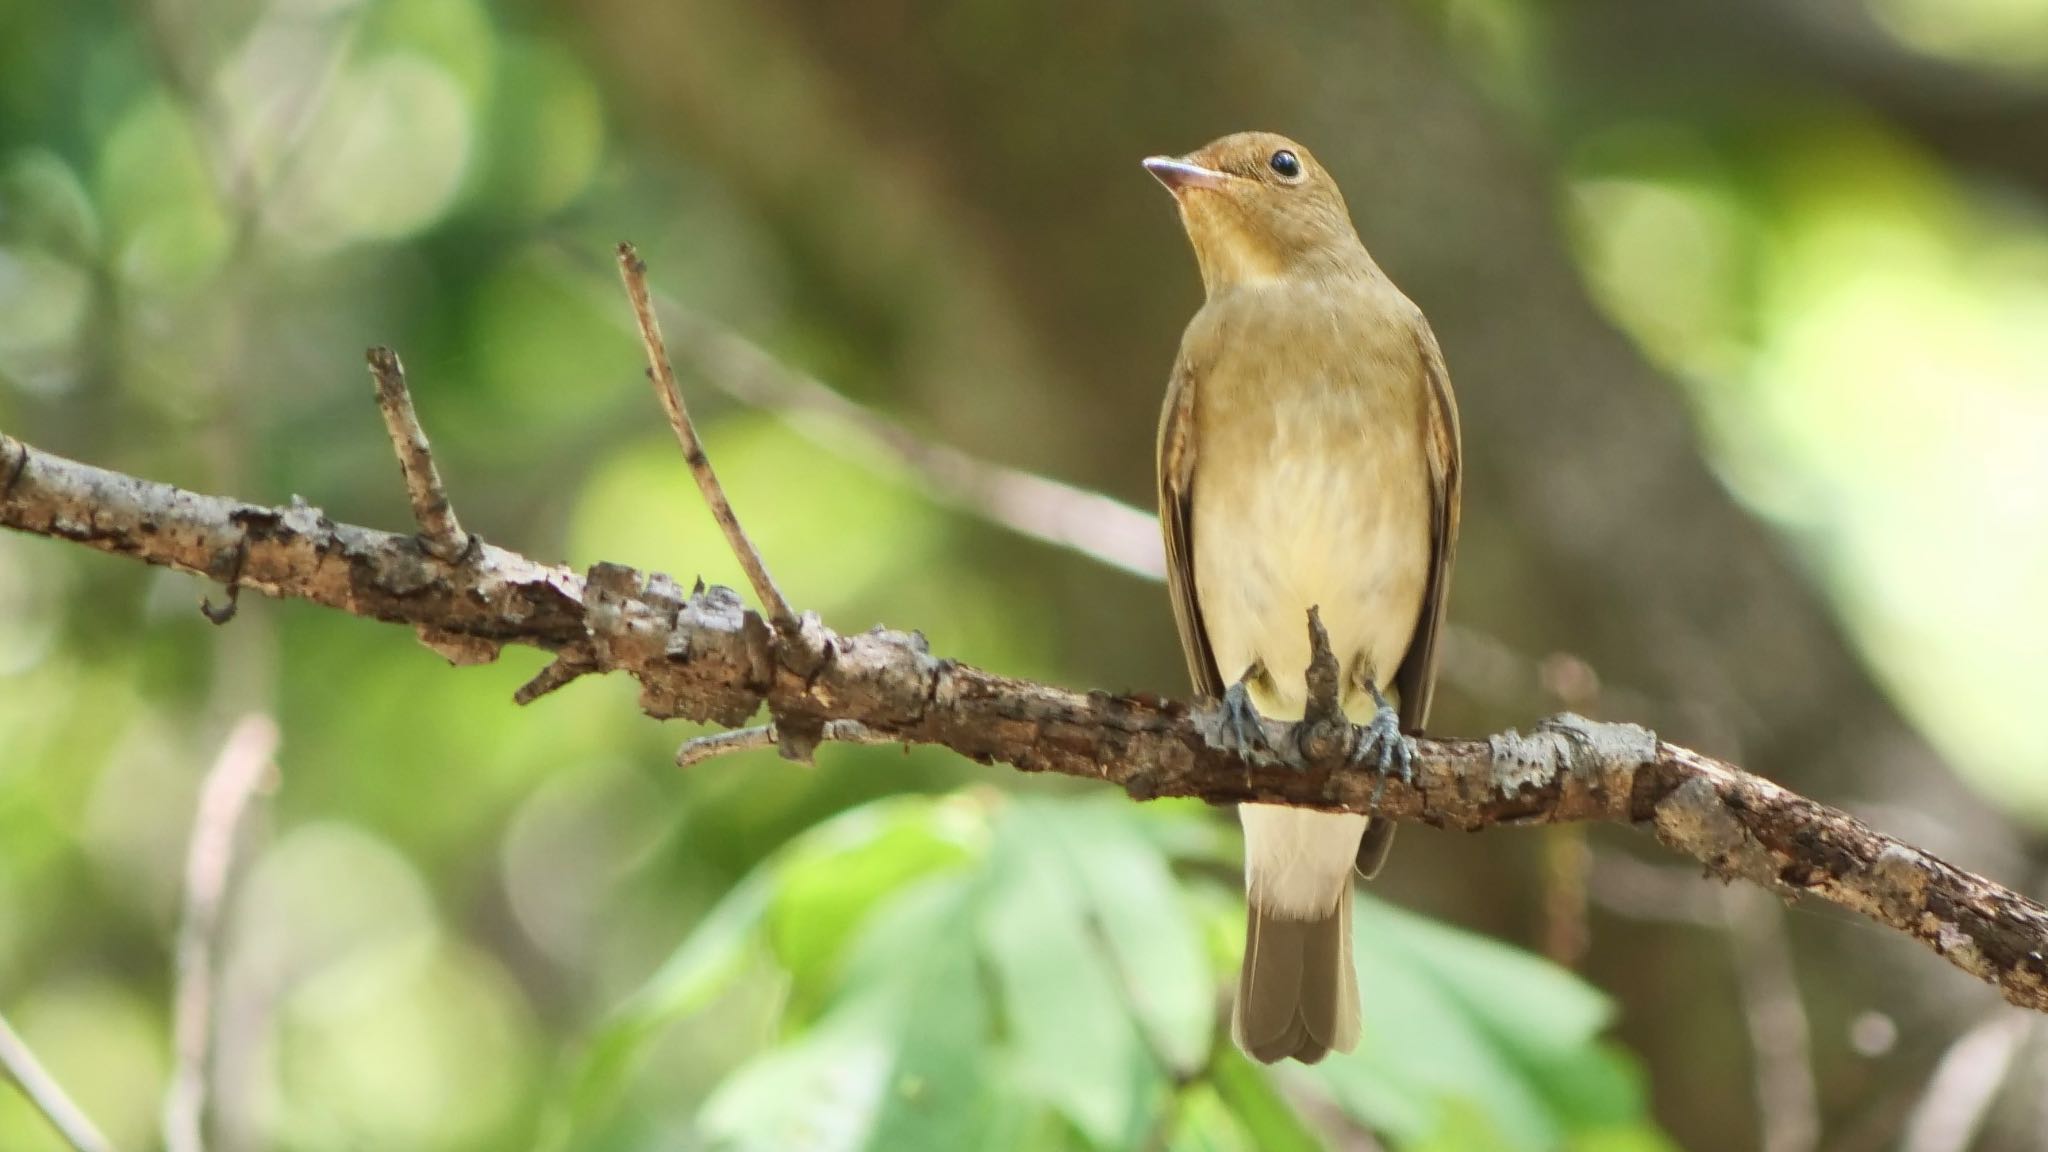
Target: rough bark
x,y
700,655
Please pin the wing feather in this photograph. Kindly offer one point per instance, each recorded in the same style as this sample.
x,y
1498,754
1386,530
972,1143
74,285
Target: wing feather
x,y
1416,678
1176,519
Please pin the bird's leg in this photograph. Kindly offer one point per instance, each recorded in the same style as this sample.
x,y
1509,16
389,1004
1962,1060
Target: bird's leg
x,y
1239,728
1381,746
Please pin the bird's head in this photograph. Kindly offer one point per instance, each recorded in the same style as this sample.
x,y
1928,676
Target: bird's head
x,y
1257,207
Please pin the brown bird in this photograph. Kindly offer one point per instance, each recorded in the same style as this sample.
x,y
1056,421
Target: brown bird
x,y
1308,457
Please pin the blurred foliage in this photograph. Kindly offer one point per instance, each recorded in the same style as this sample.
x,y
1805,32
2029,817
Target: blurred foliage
x,y
986,972
462,925
1863,338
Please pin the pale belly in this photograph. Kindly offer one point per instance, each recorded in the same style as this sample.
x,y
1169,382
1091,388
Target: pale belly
x,y
1313,519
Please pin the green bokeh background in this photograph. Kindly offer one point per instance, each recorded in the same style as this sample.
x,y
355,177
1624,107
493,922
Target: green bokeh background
x,y
1748,309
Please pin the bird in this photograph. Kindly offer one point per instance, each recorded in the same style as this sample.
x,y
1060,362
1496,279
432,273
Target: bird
x,y
1309,457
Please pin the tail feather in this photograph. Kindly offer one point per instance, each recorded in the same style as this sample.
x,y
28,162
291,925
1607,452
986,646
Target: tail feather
x,y
1297,994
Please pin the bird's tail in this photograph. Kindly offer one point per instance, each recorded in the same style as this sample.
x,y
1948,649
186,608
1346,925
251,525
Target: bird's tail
x,y
1297,994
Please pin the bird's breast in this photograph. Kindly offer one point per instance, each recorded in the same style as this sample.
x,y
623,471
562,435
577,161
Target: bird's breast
x,y
1311,492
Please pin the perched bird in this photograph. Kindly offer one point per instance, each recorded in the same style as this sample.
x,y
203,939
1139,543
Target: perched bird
x,y
1308,457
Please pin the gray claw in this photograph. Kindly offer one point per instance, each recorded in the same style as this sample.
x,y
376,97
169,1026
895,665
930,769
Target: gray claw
x,y
1391,754
1239,729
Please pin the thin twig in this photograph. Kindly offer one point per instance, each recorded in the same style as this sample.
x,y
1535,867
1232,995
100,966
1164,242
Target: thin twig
x,y
777,609
440,532
698,749
568,666
49,1098
220,615
244,766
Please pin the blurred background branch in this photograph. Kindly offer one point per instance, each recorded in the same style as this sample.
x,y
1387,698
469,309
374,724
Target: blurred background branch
x,y
245,767
35,1083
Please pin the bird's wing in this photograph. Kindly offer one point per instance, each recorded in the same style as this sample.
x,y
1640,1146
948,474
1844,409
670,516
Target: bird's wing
x,y
1177,520
1416,678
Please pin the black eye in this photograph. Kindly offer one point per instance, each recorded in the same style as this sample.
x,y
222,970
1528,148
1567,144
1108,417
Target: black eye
x,y
1286,163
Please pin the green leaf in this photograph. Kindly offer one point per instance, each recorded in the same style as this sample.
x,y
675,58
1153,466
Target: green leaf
x,y
1420,1050
1205,1121
818,1094
703,966
1248,1091
1423,1053
899,1063
47,207
1530,1004
1626,1138
1071,1033
1593,1086
836,875
1469,1043
1154,941
943,1093
1464,1126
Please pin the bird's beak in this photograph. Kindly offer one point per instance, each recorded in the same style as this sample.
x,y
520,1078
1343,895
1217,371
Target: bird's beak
x,y
1179,175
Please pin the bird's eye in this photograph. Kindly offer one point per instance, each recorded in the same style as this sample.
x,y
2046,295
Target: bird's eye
x,y
1286,163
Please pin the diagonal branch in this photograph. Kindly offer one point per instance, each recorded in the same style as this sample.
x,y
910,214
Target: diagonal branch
x,y
634,270
440,531
703,657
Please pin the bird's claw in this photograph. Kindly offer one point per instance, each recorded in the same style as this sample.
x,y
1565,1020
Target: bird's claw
x,y
1239,729
1381,746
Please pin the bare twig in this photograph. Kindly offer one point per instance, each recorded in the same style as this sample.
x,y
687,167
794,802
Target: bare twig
x,y
703,657
232,577
698,749
568,666
440,532
634,270
49,1098
244,766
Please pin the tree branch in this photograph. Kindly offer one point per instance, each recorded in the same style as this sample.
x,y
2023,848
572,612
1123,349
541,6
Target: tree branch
x,y
634,272
699,655
440,531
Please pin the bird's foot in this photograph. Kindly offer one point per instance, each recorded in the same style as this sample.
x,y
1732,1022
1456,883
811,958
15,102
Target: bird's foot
x,y
1381,747
1239,728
